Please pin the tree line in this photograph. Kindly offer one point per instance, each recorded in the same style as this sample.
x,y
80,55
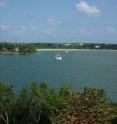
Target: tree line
x,y
32,47
38,104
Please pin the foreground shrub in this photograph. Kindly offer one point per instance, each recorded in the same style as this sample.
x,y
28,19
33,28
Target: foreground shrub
x,y
37,104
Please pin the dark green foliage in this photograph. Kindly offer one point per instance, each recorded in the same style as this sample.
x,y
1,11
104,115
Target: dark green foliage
x,y
25,48
7,103
38,104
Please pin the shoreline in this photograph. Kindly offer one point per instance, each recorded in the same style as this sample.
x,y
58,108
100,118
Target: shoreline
x,y
38,50
65,50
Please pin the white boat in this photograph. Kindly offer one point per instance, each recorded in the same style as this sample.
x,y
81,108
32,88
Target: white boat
x,y
58,57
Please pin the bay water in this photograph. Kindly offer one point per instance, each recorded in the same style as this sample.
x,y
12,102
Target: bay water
x,y
79,69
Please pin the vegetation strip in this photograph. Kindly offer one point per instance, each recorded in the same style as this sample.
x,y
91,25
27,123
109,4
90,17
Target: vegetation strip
x,y
27,48
38,104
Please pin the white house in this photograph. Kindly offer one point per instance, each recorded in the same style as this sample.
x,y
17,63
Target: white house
x,y
17,49
97,47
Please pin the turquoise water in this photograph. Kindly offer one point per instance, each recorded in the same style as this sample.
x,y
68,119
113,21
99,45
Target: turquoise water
x,y
78,68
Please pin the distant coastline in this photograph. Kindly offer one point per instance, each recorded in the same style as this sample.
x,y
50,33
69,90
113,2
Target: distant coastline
x,y
30,48
66,50
75,50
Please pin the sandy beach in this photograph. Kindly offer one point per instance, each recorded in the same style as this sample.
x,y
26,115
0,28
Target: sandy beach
x,y
74,50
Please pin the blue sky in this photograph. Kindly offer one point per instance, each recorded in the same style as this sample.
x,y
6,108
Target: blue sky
x,y
58,21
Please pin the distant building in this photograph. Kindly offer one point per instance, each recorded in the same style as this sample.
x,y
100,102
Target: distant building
x,y
67,44
81,44
97,47
4,49
17,49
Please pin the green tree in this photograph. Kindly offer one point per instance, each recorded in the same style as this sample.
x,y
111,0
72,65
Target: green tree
x,y
93,106
38,104
7,102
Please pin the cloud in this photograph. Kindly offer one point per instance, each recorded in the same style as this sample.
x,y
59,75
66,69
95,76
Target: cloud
x,y
90,10
28,28
23,27
4,27
54,22
48,32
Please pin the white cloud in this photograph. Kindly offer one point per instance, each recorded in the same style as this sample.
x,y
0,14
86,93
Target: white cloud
x,y
48,32
23,27
28,28
90,10
4,27
54,22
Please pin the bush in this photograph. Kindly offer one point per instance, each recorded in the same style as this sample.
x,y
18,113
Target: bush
x,y
37,104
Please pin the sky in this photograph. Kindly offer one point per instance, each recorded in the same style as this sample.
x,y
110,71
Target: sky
x,y
93,21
